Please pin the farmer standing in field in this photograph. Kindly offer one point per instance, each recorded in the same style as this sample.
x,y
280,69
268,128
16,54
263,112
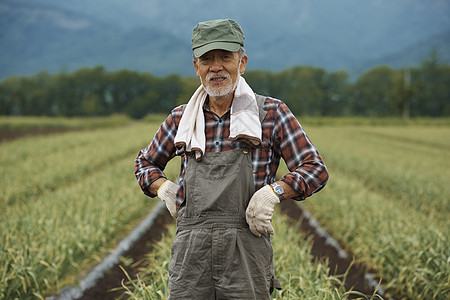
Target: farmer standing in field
x,y
230,141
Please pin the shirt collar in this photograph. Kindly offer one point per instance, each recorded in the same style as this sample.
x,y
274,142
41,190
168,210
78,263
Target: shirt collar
x,y
206,108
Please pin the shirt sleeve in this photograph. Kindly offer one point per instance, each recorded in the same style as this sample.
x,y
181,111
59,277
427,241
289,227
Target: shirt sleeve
x,y
308,173
151,161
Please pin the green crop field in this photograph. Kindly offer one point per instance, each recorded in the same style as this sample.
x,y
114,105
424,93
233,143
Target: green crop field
x,y
67,199
388,202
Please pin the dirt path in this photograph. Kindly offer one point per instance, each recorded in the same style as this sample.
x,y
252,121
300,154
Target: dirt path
x,y
321,250
8,135
113,278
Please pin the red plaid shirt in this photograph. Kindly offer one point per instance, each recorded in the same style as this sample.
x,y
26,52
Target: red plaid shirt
x,y
282,137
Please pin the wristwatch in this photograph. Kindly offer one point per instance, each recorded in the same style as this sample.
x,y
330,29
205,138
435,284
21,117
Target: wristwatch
x,y
278,190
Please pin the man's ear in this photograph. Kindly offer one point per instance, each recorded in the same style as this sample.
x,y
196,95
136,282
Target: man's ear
x,y
196,68
243,64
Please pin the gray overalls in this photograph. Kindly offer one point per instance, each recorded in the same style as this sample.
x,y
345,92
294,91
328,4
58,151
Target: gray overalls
x,y
214,253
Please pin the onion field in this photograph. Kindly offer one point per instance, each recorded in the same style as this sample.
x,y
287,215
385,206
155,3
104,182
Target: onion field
x,y
388,202
68,199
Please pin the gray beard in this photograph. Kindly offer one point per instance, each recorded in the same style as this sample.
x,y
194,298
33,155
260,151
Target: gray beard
x,y
213,92
221,92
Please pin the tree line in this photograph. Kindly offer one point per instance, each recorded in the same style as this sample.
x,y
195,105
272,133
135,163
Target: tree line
x,y
381,91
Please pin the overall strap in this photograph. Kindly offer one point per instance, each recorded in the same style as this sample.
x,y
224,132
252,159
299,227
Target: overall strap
x,y
260,101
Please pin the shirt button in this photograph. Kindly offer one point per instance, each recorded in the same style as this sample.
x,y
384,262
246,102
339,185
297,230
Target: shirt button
x,y
217,143
220,120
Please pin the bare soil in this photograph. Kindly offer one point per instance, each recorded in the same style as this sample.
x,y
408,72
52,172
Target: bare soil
x,y
106,287
7,134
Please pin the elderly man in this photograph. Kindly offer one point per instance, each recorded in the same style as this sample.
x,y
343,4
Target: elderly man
x,y
230,141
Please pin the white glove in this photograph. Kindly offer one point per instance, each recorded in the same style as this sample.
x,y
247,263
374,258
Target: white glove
x,y
167,192
260,210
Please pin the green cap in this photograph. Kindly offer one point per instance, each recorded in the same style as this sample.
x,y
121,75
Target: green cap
x,y
217,34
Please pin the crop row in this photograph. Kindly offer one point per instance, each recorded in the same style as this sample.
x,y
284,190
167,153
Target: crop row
x,y
66,199
387,202
33,166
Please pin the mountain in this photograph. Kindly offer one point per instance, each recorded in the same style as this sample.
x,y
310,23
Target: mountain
x,y
41,37
154,35
414,54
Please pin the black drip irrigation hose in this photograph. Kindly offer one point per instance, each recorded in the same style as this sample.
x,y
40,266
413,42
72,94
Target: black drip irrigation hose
x,y
70,292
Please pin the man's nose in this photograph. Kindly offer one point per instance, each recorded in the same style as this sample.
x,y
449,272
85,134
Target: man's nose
x,y
216,65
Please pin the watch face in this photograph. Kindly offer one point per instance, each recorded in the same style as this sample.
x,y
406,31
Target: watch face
x,y
278,189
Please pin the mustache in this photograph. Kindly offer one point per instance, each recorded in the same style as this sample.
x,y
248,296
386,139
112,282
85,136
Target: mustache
x,y
218,75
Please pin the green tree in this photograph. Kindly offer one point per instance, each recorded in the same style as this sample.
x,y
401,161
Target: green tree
x,y
168,89
26,95
431,81
372,93
261,82
124,86
141,105
402,92
381,91
10,96
88,92
335,101
188,86
304,89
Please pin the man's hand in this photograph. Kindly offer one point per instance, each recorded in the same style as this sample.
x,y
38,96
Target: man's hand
x,y
260,210
167,192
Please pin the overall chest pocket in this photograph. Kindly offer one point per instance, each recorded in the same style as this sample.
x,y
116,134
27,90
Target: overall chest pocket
x,y
218,187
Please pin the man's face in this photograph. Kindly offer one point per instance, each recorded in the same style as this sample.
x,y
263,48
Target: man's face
x,y
219,70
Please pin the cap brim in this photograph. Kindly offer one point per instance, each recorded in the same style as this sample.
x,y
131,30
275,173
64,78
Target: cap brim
x,y
233,47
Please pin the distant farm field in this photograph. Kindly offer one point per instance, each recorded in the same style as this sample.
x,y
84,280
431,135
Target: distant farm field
x,y
67,199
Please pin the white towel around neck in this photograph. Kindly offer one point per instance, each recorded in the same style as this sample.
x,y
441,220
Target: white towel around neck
x,y
244,121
